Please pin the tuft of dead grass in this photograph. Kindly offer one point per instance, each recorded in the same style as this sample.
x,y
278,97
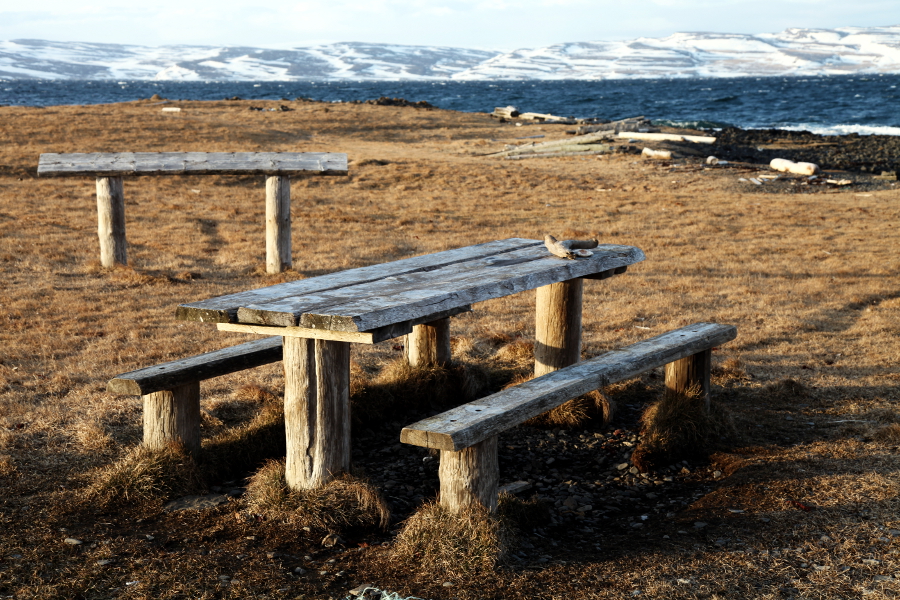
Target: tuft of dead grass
x,y
678,426
146,476
436,542
252,392
343,503
7,467
889,434
238,450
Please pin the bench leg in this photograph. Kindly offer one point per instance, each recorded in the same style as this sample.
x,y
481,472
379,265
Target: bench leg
x,y
316,410
278,224
470,476
685,372
558,326
173,416
111,221
429,344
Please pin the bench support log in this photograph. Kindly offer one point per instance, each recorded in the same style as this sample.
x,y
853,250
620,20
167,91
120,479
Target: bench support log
x,y
470,476
429,344
278,223
173,416
316,410
691,370
558,326
111,221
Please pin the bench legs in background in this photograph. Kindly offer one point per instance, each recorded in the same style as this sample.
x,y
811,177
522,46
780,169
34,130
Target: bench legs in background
x,y
173,416
278,223
691,370
470,476
316,410
558,326
111,221
429,344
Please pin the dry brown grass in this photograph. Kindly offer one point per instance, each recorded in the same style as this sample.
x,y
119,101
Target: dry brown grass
x,y
594,406
343,503
810,281
679,426
146,476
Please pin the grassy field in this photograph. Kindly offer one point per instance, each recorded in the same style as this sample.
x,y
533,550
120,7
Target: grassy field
x,y
811,280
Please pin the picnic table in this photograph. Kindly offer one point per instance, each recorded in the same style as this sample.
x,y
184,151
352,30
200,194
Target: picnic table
x,y
318,319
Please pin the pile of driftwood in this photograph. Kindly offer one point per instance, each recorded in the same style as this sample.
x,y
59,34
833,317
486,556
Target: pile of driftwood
x,y
595,139
508,113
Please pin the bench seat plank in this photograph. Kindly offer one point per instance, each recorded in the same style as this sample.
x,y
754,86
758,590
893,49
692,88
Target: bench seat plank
x,y
471,423
410,296
197,368
224,309
118,164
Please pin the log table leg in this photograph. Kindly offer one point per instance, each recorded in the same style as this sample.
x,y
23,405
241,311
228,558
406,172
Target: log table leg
x,y
558,326
316,410
429,344
173,416
691,370
111,221
470,476
278,224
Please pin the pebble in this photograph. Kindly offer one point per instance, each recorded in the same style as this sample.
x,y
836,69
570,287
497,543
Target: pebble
x,y
448,584
73,541
699,524
105,561
302,571
622,466
360,589
717,474
224,577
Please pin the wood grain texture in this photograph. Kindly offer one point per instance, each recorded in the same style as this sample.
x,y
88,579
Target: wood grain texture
x,y
173,416
411,296
197,368
111,221
470,476
316,410
224,309
692,370
278,224
470,423
125,164
428,345
557,326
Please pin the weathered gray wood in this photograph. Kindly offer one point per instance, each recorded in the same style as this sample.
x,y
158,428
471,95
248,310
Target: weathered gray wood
x,y
557,326
278,223
684,373
197,368
428,345
471,423
111,221
223,309
316,410
418,294
470,476
118,164
173,416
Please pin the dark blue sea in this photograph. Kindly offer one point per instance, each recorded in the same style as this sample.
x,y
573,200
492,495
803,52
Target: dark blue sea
x,y
835,104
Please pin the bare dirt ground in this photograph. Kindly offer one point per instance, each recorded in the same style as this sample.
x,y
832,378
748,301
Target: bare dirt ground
x,y
801,504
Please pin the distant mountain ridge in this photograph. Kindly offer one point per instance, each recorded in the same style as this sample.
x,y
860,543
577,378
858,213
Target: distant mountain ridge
x,y
844,50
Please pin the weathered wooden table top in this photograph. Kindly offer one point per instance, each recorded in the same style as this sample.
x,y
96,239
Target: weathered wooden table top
x,y
378,296
117,164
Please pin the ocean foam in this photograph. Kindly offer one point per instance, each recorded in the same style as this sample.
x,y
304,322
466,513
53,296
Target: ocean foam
x,y
843,129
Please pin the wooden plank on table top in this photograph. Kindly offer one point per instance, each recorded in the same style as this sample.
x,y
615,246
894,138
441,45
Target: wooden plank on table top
x,y
410,296
197,368
471,423
223,309
193,163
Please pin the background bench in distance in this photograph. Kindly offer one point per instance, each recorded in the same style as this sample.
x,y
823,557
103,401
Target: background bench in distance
x,y
110,168
467,435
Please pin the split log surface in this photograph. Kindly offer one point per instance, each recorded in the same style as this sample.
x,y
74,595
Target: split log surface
x,y
111,221
470,476
475,421
278,223
173,416
428,345
316,410
689,371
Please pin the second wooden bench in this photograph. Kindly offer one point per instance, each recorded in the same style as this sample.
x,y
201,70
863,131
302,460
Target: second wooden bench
x,y
467,435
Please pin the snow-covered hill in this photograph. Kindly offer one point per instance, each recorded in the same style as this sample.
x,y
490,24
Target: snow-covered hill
x,y
791,52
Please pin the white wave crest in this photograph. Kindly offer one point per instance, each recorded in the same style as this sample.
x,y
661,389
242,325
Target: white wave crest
x,y
843,129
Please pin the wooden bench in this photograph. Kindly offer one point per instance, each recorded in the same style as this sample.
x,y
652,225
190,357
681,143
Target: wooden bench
x,y
110,168
467,435
171,391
